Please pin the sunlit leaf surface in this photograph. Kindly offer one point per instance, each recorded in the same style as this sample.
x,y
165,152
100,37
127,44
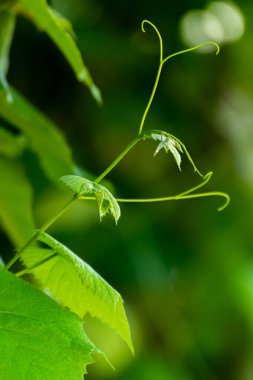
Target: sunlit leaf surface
x,y
39,340
76,285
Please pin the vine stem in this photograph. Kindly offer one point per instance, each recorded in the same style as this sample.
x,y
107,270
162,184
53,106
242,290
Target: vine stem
x,y
177,197
118,159
181,196
151,98
185,195
42,229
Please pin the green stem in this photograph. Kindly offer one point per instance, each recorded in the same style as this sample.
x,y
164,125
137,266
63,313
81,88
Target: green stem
x,y
192,49
151,98
18,254
179,197
207,178
42,229
118,159
185,195
59,214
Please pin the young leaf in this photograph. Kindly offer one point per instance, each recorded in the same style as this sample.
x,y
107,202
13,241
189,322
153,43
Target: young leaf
x,y
15,202
44,137
11,145
77,285
169,145
39,339
7,25
82,186
52,23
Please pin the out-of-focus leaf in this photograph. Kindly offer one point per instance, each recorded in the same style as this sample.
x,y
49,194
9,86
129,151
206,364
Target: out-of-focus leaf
x,y
82,186
6,4
7,26
38,339
44,137
11,145
52,23
15,202
77,285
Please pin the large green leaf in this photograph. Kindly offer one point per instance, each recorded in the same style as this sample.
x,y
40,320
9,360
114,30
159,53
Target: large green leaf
x,y
7,25
38,339
15,202
54,25
44,137
77,285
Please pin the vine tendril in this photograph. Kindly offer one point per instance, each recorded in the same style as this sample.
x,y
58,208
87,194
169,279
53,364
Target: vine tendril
x,y
158,34
140,136
192,49
164,60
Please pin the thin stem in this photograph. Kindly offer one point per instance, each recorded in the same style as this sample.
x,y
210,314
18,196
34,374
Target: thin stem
x,y
207,178
42,229
158,34
118,159
171,198
151,98
59,214
157,75
192,49
179,197
18,254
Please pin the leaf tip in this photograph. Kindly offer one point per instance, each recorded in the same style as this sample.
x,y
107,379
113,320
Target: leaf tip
x,y
96,93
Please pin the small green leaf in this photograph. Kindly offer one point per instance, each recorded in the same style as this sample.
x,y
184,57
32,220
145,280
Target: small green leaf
x,y
43,136
15,202
11,145
58,28
169,145
7,26
82,186
76,285
38,339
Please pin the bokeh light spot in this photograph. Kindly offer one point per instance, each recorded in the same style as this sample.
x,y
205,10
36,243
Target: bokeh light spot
x,y
221,22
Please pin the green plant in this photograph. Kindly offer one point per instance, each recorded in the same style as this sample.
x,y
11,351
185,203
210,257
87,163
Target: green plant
x,y
27,313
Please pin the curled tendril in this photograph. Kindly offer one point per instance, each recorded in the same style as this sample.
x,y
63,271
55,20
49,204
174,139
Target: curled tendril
x,y
158,34
185,195
192,49
162,61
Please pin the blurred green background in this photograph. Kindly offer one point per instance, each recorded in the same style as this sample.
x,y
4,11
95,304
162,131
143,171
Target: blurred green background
x,y
184,270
